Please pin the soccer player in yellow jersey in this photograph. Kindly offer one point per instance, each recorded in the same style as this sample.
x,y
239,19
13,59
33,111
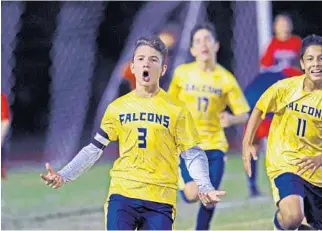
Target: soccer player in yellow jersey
x,y
207,89
152,129
294,149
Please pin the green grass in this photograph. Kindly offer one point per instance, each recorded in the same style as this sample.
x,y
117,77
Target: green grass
x,y
26,197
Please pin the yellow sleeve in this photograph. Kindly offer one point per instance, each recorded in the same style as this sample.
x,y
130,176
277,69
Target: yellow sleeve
x,y
268,102
236,99
109,124
186,132
174,88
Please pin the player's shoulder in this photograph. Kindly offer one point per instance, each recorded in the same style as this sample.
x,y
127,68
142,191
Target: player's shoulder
x,y
120,101
288,85
224,71
185,67
171,100
291,82
227,76
174,104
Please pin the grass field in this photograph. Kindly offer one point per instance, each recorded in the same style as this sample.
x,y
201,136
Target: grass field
x,y
29,204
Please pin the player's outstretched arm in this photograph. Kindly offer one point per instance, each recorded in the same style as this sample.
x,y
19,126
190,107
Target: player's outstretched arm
x,y
268,102
81,163
87,156
249,150
197,165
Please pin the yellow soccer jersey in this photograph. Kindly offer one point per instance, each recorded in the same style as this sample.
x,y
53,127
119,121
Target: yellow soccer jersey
x,y
151,133
296,129
206,95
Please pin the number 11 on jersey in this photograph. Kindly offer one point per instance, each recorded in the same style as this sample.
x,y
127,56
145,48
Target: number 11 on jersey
x,y
301,127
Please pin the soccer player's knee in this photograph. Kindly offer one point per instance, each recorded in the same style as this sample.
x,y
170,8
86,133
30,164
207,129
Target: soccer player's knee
x,y
291,209
191,191
292,220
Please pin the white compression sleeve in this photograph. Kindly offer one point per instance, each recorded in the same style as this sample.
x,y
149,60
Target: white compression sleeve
x,y
85,159
197,164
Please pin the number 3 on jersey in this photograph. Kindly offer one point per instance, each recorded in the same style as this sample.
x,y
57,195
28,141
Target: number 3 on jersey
x,y
142,137
301,127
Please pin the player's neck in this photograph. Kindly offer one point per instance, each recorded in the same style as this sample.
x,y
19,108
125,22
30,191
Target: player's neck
x,y
310,86
207,66
147,91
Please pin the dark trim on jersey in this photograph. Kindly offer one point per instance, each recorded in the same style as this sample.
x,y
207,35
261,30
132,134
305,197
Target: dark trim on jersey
x,y
97,144
103,133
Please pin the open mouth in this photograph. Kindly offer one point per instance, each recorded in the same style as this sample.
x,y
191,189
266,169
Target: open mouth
x,y
146,76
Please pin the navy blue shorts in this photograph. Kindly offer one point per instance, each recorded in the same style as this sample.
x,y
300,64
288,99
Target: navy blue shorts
x,y
125,213
292,184
216,167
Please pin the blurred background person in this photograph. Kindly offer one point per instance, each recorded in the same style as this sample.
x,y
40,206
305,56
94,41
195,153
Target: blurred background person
x,y
207,88
5,126
284,49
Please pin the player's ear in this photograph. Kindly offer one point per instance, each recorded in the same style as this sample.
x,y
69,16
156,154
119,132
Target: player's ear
x,y
164,69
217,46
132,67
302,64
192,52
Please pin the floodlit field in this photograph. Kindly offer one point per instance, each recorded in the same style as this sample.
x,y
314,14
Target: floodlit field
x,y
29,204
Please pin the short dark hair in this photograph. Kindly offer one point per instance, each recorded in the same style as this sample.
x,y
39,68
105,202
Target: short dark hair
x,y
207,26
154,42
309,41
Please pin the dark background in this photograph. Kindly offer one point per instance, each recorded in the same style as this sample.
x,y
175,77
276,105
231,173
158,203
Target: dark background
x,y
34,41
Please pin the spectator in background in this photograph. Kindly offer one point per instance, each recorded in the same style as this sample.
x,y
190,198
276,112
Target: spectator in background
x,y
284,49
169,36
5,125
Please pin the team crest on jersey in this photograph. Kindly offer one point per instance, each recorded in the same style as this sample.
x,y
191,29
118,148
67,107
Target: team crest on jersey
x,y
164,120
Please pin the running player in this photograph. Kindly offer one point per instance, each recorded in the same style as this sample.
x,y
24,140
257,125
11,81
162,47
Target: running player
x,y
252,92
207,88
294,149
151,127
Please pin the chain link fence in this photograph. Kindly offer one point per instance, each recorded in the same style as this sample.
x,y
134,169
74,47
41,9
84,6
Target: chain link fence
x,y
73,57
245,41
10,22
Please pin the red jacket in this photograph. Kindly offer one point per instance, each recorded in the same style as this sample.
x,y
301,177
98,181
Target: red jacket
x,y
4,108
282,51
